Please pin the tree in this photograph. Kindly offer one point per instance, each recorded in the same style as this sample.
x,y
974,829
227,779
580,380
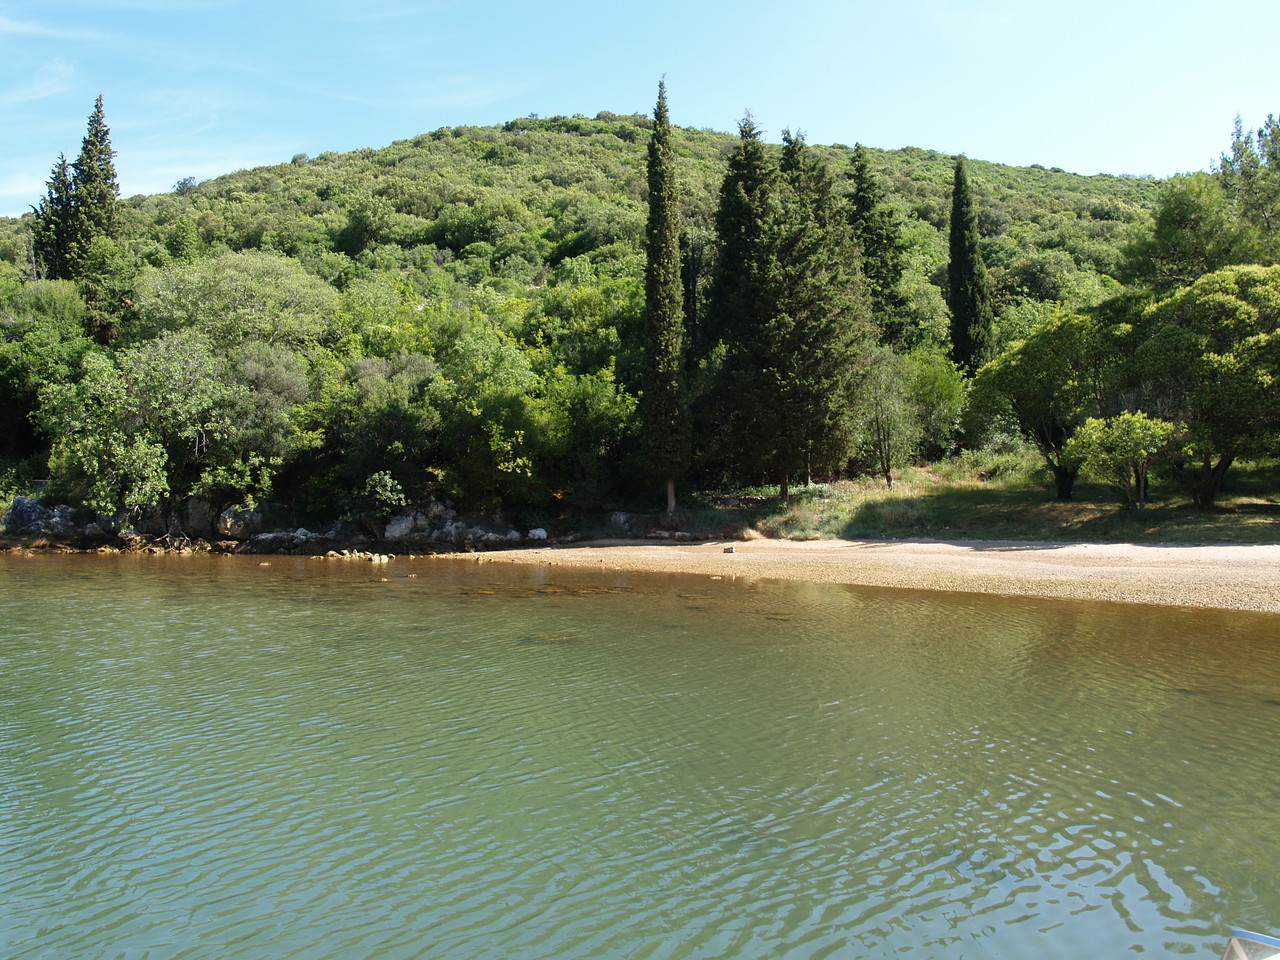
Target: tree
x,y
148,427
1250,178
1209,359
80,205
96,191
1194,231
968,292
878,231
793,312
1122,449
737,299
237,297
890,420
42,340
1052,382
51,234
823,317
663,408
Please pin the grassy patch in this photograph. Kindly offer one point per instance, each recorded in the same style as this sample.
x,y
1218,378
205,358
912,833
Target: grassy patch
x,y
1005,497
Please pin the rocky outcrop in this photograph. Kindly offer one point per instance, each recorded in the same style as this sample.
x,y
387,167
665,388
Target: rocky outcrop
x,y
433,528
27,517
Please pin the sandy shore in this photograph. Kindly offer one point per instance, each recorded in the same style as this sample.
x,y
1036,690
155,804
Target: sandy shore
x,y
1237,577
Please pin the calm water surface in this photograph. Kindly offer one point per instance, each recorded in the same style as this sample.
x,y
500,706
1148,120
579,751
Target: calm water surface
x,y
208,758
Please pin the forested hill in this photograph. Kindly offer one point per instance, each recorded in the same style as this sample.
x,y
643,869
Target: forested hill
x,y
453,314
511,204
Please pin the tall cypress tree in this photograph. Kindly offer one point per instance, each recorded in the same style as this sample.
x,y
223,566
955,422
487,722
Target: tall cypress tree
x,y
878,231
968,292
663,408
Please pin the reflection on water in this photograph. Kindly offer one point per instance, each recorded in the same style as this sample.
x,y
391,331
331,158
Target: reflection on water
x,y
205,758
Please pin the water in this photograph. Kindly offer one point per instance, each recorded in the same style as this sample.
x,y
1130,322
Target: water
x,y
208,758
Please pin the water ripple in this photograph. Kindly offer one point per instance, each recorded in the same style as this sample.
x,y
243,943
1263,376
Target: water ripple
x,y
205,760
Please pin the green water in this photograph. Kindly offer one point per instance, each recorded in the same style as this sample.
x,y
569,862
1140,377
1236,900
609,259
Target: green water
x,y
208,758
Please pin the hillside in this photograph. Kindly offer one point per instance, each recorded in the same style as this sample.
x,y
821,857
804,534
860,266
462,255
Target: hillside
x,y
456,314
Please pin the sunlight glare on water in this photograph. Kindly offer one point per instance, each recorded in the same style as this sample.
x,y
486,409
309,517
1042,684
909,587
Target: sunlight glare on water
x,y
208,758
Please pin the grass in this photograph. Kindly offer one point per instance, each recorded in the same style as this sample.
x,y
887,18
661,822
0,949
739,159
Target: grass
x,y
1004,497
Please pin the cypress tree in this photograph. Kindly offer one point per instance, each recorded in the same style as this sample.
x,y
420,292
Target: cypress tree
x,y
739,309
96,191
663,409
737,297
52,232
81,204
791,304
968,293
877,229
823,316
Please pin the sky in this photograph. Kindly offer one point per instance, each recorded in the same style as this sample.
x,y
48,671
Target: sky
x,y
198,88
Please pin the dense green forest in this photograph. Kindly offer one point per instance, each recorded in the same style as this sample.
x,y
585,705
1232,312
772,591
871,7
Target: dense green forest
x,y
560,315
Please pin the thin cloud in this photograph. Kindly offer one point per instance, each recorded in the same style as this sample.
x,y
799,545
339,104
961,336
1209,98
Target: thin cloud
x,y
157,6
444,92
377,14
59,74
28,29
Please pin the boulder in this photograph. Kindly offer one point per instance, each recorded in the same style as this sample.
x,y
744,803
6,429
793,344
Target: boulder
x,y
438,512
26,516
238,522
404,525
537,533
198,517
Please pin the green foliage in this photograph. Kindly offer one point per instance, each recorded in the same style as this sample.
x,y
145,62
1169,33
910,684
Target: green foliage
x,y
792,310
890,424
1209,358
936,388
877,229
663,408
1194,232
968,294
1051,382
144,427
463,312
42,340
1121,450
235,298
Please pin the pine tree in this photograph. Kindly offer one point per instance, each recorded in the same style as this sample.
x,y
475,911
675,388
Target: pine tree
x,y
663,409
968,293
878,231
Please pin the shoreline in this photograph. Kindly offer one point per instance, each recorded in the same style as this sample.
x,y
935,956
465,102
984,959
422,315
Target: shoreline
x,y
1235,577
1219,576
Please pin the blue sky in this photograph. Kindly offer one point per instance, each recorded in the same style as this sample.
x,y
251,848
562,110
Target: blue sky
x,y
203,87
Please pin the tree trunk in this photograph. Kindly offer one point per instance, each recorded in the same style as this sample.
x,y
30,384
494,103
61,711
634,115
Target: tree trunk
x,y
1064,479
671,495
784,488
1211,480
